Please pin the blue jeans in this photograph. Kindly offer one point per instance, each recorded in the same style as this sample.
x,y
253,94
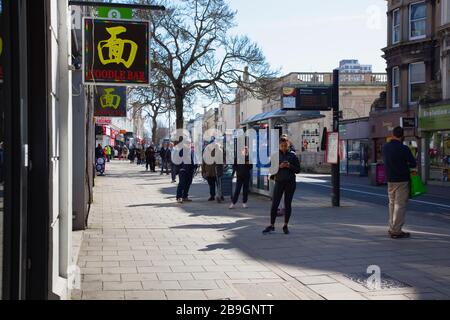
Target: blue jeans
x,y
184,184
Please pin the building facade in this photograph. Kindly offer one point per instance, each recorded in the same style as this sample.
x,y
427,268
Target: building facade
x,y
418,71
434,110
36,153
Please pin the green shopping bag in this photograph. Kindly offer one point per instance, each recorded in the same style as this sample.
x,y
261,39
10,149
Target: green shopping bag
x,y
418,188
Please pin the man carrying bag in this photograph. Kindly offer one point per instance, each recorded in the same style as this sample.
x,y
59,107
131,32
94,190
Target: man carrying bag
x,y
398,162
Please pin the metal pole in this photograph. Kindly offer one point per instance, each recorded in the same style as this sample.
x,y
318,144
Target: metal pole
x,y
335,171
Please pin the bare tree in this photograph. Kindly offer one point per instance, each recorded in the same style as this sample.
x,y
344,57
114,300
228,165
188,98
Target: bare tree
x,y
193,47
152,101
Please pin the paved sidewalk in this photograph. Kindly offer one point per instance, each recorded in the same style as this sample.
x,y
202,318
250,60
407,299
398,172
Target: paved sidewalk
x,y
141,245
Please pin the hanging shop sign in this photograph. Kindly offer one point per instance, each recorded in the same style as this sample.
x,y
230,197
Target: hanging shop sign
x,y
103,121
116,52
111,102
115,13
332,153
308,98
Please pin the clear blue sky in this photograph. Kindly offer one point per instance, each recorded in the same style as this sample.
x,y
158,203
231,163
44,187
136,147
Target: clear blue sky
x,y
301,35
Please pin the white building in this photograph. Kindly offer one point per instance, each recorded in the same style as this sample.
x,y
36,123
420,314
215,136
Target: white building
x,y
353,66
227,117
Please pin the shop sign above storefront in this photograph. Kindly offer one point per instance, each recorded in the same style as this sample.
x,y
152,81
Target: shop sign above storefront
x,y
408,123
110,102
435,118
116,52
103,121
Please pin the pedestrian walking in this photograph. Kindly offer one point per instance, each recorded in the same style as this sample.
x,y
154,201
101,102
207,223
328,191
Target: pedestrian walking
x,y
243,174
150,158
108,153
125,152
164,154
398,162
173,168
186,176
285,184
212,174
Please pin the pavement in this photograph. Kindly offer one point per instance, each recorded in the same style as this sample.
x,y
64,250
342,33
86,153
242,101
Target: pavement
x,y
141,245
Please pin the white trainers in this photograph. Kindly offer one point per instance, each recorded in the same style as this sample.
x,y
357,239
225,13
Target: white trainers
x,y
231,206
245,206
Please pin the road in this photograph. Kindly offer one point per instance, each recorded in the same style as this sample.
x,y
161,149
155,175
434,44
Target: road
x,y
358,189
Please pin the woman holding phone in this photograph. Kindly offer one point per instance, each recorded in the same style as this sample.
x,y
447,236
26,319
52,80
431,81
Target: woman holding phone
x,y
285,184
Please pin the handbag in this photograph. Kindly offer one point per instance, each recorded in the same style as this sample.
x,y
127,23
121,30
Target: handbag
x,y
418,188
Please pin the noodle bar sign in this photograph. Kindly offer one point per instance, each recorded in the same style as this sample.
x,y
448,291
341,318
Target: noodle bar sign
x,y
116,52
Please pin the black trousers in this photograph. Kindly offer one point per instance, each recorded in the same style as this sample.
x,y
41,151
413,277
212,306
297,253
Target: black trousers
x,y
184,185
212,186
288,189
244,185
152,164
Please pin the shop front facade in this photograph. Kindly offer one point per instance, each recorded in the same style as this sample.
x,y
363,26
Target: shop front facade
x,y
434,124
381,126
355,145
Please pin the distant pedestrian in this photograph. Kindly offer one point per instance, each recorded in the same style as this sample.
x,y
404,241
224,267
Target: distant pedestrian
x,y
285,184
108,153
212,174
125,152
173,167
164,154
398,161
150,158
186,175
243,175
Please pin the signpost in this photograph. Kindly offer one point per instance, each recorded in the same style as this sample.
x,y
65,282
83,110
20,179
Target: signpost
x,y
335,170
116,52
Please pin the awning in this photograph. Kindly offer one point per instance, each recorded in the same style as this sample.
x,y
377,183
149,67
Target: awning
x,y
284,116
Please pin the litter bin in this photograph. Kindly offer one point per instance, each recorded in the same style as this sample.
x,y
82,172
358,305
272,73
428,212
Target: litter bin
x,y
377,174
227,181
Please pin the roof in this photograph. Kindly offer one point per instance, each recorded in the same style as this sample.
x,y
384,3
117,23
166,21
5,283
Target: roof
x,y
284,116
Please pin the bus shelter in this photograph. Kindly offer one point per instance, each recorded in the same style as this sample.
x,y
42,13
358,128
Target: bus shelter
x,y
264,124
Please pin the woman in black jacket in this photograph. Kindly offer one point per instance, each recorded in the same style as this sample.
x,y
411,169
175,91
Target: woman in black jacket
x,y
243,175
285,183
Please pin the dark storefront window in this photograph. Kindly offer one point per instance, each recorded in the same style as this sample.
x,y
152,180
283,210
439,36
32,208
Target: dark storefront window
x,y
440,157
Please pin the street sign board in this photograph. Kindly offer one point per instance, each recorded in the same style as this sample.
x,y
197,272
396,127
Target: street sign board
x,y
116,52
110,102
332,153
308,98
408,123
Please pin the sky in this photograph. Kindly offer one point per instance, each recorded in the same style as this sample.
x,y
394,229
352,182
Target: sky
x,y
305,36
